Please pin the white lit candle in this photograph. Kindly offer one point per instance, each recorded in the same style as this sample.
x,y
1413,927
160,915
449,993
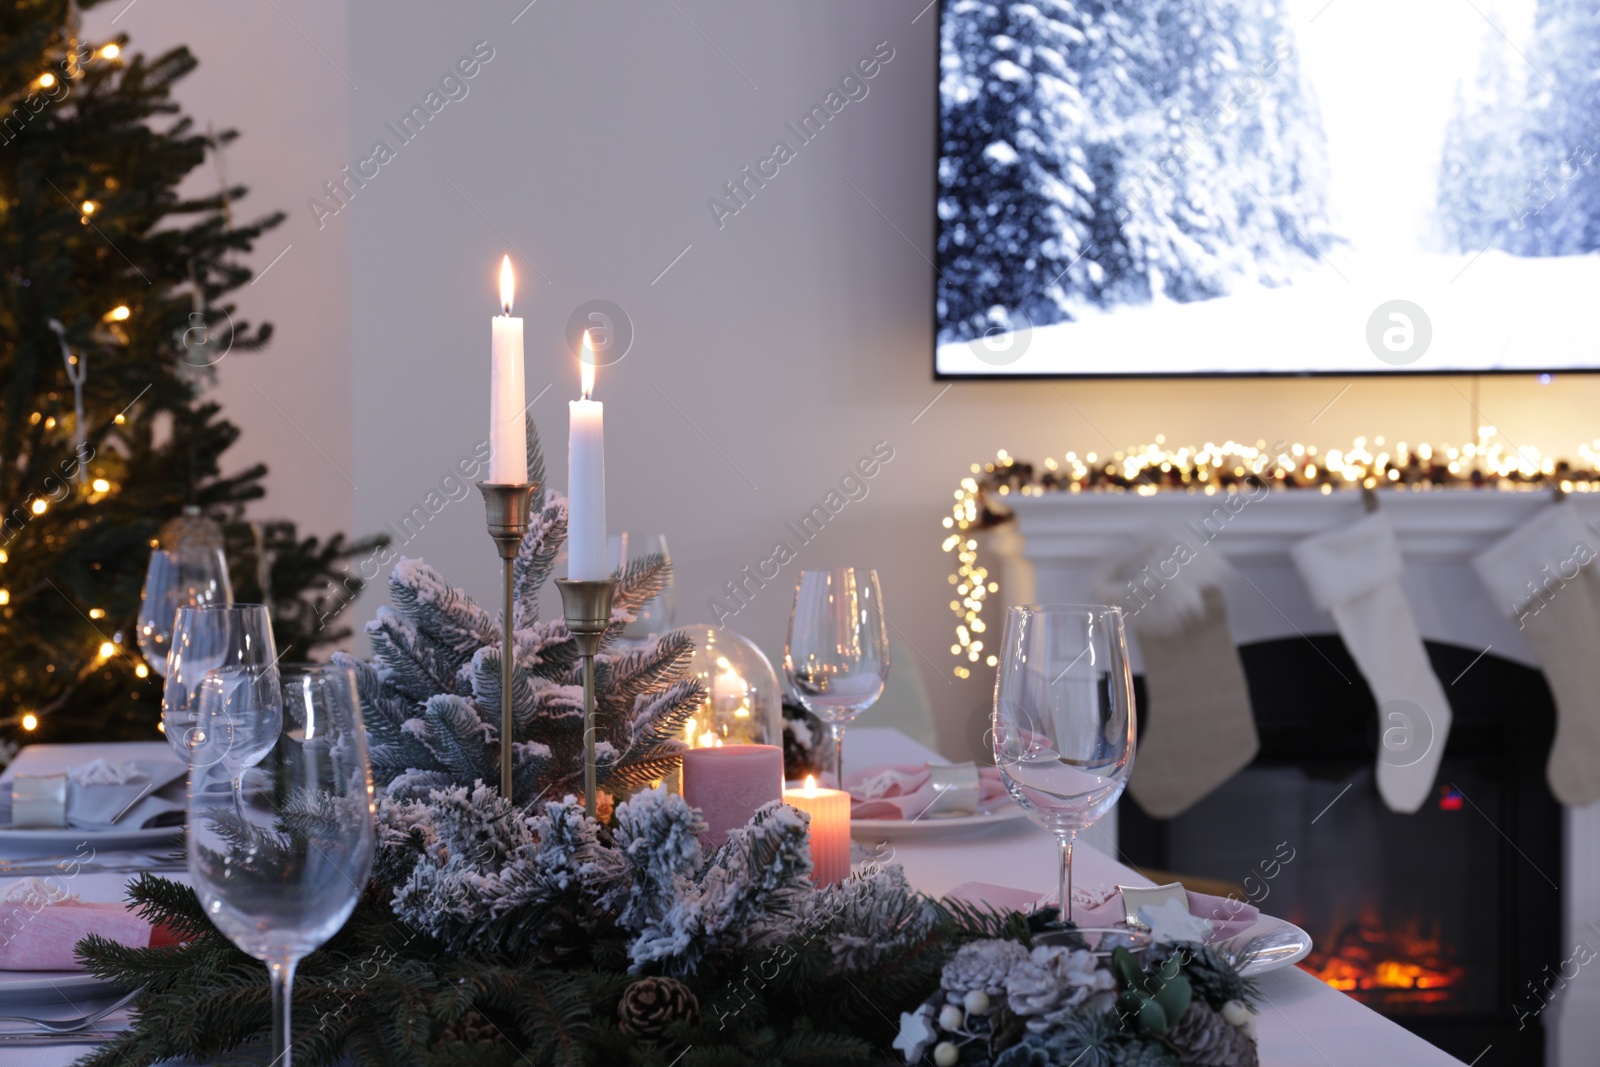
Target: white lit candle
x,y
586,480
508,457
829,830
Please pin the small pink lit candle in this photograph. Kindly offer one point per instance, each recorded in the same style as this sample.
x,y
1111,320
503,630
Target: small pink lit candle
x,y
729,782
830,829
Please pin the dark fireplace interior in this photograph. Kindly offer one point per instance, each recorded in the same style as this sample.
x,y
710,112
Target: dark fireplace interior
x,y
1439,920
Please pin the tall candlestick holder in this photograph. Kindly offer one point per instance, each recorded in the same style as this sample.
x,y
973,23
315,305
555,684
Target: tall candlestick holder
x,y
587,606
509,507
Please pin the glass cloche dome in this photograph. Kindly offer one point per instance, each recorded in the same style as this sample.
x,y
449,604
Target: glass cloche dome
x,y
743,703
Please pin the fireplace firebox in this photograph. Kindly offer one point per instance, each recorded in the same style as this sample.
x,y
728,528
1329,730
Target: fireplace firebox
x,y
1447,920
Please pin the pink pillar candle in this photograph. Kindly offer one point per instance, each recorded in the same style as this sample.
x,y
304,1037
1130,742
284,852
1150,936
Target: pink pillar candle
x,y
729,783
830,830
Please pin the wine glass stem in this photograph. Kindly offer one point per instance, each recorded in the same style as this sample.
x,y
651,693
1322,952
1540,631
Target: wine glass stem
x,y
282,979
836,731
1066,876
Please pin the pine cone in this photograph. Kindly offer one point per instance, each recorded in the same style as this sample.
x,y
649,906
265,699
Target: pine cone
x,y
981,965
651,1004
1204,1038
471,1029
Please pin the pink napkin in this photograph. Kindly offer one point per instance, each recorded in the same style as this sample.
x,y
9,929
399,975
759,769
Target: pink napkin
x,y
40,932
1231,917
904,791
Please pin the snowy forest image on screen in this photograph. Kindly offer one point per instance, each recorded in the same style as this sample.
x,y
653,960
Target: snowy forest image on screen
x,y
1268,186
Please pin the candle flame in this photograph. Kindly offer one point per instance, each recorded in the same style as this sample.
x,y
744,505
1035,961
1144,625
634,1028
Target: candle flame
x,y
508,284
586,361
811,785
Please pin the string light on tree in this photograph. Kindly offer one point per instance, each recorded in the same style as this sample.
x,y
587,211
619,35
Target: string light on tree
x,y
69,680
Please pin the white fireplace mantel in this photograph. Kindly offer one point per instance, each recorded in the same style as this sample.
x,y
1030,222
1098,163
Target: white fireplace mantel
x,y
1063,543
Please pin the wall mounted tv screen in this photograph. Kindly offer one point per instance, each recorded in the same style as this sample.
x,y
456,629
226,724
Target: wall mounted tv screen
x,y
1265,187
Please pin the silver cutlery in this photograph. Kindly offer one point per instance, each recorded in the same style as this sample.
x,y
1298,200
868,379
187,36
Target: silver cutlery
x,y
73,1025
44,870
40,1038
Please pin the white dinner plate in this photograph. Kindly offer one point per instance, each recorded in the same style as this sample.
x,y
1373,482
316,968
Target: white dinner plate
x,y
21,843
1277,943
874,830
56,758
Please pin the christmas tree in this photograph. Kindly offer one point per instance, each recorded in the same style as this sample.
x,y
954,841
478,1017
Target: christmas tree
x,y
1516,171
1104,153
1014,203
113,314
432,698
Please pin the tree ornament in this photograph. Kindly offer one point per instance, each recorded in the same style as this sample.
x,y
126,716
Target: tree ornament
x,y
916,1033
1204,1038
650,1005
191,531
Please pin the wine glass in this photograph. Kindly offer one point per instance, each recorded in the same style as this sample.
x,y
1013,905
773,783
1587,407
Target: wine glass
x,y
238,717
1063,728
191,577
837,654
234,641
656,615
281,872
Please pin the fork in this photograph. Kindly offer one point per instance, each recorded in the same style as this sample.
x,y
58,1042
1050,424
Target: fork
x,y
73,1025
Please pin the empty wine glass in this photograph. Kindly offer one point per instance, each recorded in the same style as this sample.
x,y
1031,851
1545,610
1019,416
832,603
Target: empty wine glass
x,y
837,655
238,717
280,873
234,640
656,615
191,577
1063,727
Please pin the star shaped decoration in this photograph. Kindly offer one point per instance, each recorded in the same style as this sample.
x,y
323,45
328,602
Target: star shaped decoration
x,y
1171,921
916,1033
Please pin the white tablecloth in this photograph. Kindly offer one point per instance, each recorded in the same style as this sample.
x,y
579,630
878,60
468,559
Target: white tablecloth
x,y
1302,1020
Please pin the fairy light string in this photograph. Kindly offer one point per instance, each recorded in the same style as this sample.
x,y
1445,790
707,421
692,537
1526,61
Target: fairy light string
x,y
980,500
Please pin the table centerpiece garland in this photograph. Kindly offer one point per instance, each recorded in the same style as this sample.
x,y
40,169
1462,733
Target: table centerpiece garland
x,y
519,930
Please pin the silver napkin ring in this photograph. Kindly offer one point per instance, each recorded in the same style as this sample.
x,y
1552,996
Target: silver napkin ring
x,y
39,801
955,789
1135,897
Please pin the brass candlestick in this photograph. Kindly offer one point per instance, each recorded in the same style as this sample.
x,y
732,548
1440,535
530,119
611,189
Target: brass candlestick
x,y
587,606
508,507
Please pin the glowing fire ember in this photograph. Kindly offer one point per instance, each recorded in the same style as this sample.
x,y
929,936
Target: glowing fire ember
x,y
1374,964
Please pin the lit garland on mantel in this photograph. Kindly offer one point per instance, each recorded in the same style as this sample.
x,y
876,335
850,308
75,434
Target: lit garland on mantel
x,y
1228,468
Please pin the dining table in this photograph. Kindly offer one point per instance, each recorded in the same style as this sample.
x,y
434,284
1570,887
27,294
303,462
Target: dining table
x,y
1302,1022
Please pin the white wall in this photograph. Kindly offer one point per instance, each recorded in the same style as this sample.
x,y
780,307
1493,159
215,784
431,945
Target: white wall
x,y
258,74
792,339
